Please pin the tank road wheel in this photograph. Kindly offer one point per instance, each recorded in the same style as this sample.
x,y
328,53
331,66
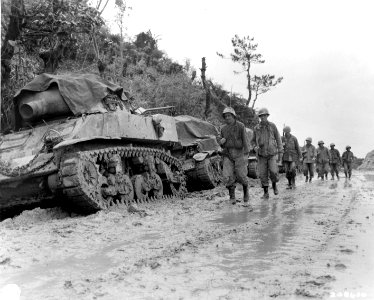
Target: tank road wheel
x,y
141,187
126,190
207,174
148,186
81,183
252,169
158,188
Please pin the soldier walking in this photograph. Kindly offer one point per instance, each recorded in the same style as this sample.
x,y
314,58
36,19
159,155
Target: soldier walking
x,y
347,159
268,145
309,156
291,156
235,155
323,160
335,161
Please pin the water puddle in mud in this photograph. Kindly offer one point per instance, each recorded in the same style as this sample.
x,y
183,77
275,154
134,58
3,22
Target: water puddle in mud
x,y
251,253
369,177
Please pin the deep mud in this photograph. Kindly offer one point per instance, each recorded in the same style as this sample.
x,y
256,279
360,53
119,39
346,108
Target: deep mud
x,y
312,242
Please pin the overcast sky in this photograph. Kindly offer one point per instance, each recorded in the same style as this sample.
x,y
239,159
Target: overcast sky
x,y
323,48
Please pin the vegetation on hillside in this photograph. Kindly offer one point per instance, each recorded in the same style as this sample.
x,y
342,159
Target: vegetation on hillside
x,y
71,37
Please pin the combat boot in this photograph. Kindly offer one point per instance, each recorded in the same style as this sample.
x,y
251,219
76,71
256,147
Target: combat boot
x,y
232,194
275,189
245,193
293,183
246,198
289,186
310,179
306,178
266,193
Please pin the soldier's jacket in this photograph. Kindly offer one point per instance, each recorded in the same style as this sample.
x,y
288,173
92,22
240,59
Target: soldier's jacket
x,y
323,155
347,156
335,156
309,153
291,148
236,140
266,137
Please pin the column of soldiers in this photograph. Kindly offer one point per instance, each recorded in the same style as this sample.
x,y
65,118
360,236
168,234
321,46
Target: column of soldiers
x,y
272,150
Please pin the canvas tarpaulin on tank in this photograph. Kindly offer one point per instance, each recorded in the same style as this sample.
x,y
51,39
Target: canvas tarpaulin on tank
x,y
82,92
193,131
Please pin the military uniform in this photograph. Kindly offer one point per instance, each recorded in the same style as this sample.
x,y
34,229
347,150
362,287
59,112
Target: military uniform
x,y
347,159
235,151
291,156
323,160
309,154
334,163
266,137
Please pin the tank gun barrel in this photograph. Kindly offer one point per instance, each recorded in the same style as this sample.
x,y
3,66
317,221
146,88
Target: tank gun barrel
x,y
42,104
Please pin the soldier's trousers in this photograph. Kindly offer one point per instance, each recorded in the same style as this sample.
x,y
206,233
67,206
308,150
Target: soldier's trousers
x,y
235,170
334,168
290,169
323,168
267,167
348,169
308,169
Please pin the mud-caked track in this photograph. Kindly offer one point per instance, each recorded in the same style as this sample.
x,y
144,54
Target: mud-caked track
x,y
97,179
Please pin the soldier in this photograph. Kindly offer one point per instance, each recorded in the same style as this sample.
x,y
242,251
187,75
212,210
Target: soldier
x,y
309,156
235,155
268,145
323,160
347,159
291,156
335,161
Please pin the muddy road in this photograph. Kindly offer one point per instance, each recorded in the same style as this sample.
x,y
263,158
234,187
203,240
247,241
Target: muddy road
x,y
313,242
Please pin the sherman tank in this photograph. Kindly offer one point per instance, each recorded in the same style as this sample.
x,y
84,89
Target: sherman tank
x,y
198,150
75,139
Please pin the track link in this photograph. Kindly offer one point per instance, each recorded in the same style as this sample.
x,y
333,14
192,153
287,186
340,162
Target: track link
x,y
82,181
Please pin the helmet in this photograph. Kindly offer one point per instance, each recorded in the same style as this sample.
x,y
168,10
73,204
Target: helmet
x,y
309,139
229,110
263,111
332,145
320,142
348,147
287,129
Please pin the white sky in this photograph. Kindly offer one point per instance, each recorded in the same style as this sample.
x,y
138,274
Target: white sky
x,y
323,48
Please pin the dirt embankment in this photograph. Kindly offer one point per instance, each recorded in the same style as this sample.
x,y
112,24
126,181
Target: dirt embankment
x,y
368,163
312,242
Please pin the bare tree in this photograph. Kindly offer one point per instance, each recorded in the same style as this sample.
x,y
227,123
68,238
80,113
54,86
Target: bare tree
x,y
262,84
245,54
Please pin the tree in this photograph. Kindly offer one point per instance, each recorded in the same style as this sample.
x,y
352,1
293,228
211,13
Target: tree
x,y
50,28
122,8
262,84
245,54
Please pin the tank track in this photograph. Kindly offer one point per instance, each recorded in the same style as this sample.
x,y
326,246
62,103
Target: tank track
x,y
207,174
82,181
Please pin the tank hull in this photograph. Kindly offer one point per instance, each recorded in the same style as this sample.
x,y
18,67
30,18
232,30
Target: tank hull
x,y
30,158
